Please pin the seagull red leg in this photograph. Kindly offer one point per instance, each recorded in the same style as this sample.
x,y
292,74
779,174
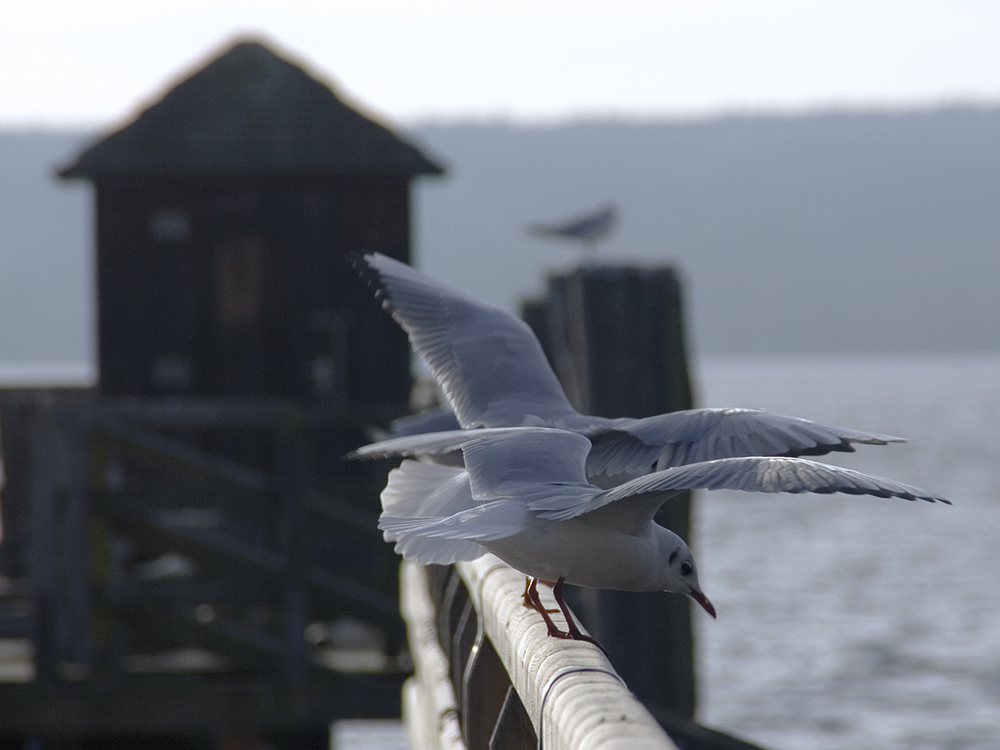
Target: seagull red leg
x,y
574,632
536,604
527,598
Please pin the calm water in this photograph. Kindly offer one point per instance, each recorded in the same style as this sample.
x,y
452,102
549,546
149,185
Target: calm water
x,y
860,622
857,622
846,622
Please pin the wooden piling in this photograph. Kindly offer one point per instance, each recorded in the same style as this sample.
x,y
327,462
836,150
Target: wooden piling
x,y
615,337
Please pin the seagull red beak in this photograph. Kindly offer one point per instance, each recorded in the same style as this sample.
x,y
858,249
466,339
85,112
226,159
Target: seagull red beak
x,y
703,601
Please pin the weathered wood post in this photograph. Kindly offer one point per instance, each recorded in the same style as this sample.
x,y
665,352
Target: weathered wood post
x,y
77,563
42,547
292,540
615,336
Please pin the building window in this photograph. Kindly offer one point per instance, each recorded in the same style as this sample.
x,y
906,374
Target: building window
x,y
170,225
240,280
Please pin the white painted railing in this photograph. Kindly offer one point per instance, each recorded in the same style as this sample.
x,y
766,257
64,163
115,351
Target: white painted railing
x,y
489,676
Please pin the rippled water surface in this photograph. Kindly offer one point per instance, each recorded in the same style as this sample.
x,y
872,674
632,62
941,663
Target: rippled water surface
x,y
851,622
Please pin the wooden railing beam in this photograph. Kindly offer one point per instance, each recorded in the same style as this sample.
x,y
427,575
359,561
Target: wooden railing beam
x,y
573,695
570,693
430,709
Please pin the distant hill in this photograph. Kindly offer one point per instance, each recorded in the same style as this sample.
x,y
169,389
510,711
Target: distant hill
x,y
821,233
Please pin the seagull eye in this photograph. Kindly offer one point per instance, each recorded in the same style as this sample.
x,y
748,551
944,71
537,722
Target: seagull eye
x,y
686,569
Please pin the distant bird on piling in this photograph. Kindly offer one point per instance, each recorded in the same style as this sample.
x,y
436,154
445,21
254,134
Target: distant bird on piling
x,y
588,228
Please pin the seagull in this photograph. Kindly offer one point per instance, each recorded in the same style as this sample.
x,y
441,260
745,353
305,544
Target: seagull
x,y
494,373
524,496
589,227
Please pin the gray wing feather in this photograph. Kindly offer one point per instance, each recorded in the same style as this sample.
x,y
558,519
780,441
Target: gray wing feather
x,y
417,489
635,446
439,540
437,419
771,474
488,362
750,474
526,461
428,550
432,443
499,461
429,512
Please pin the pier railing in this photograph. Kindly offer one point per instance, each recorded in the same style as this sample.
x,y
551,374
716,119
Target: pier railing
x,y
487,675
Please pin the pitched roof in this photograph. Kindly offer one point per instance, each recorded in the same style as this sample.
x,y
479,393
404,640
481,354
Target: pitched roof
x,y
251,112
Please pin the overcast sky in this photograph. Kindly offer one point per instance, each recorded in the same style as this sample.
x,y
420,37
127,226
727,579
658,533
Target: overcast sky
x,y
94,62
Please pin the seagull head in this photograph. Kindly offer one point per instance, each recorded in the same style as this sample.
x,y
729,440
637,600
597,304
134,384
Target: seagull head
x,y
680,575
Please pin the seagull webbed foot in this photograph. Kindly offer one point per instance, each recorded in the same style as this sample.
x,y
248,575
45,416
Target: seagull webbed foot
x,y
573,632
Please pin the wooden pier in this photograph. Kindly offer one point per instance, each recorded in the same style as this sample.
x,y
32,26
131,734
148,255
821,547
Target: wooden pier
x,y
165,587
185,555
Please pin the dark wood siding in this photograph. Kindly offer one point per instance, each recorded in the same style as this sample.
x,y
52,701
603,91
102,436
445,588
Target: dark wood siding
x,y
241,286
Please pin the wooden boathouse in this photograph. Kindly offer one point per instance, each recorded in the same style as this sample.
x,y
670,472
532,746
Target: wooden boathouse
x,y
184,554
186,561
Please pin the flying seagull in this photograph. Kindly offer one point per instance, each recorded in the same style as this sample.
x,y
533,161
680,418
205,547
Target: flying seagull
x,y
494,374
524,496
